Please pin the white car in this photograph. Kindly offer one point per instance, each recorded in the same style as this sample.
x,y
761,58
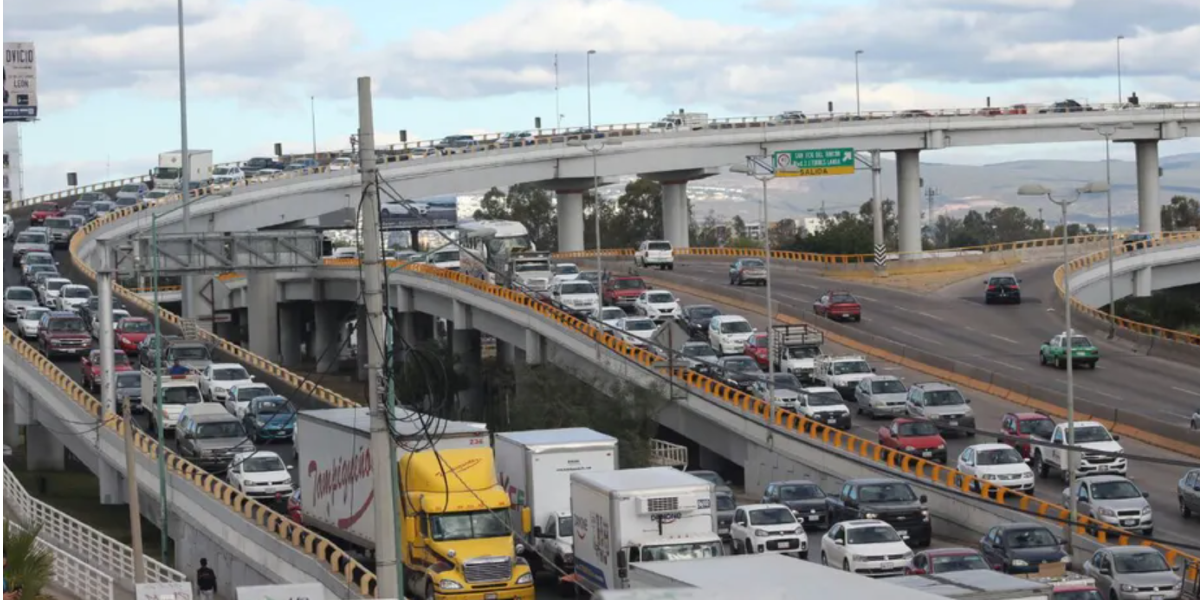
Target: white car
x,y
881,395
447,257
565,272
16,297
228,175
763,528
260,474
132,190
609,316
655,253
865,546
636,330
154,196
73,296
8,226
29,320
49,290
659,305
342,163
237,401
266,174
406,209
576,297
727,334
216,380
118,314
998,464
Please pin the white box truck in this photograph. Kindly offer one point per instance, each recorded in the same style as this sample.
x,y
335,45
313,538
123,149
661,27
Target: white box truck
x,y
168,175
535,469
333,448
623,518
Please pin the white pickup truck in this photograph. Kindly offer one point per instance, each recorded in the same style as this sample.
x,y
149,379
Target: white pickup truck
x,y
1089,435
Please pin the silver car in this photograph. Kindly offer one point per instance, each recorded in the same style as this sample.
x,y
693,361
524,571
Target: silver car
x,y
1114,500
943,404
16,297
60,229
787,390
1133,573
881,395
29,241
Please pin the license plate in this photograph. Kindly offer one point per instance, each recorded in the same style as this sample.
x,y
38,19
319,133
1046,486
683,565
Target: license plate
x,y
1129,522
1156,597
954,423
813,517
787,545
903,534
832,421
887,565
490,596
927,453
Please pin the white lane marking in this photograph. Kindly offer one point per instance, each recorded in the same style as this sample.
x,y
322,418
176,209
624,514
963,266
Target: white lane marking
x,y
867,298
1096,391
1175,414
803,285
1002,338
1000,362
1186,392
916,335
925,314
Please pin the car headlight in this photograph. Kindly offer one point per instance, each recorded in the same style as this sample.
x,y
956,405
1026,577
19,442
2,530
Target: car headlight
x,y
1065,559
1146,510
870,515
799,530
1178,586
908,555
941,447
1125,587
910,449
1107,512
1017,562
855,557
989,477
525,579
761,533
450,584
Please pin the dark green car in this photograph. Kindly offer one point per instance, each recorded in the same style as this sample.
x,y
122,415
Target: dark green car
x,y
1083,352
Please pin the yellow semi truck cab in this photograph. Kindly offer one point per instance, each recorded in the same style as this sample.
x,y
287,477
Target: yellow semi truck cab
x,y
458,535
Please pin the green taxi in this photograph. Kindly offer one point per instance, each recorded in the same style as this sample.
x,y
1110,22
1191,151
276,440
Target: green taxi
x,y
1083,352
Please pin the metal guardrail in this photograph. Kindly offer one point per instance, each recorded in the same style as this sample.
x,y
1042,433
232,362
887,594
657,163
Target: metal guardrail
x,y
666,454
89,544
82,580
1082,262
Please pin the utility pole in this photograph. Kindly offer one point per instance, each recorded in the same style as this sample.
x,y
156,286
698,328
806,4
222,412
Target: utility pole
x,y
388,567
877,213
557,110
185,160
931,193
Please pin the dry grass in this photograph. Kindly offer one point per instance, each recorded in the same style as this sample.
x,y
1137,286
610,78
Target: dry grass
x,y
926,281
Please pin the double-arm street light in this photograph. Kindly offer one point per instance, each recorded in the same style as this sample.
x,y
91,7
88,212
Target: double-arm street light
x,y
1108,131
762,169
1036,189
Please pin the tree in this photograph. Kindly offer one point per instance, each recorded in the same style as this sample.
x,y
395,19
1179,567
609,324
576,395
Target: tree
x,y
1181,214
527,204
636,216
29,566
784,233
739,227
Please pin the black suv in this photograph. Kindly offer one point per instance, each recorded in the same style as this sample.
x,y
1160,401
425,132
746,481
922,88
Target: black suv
x,y
1002,287
695,319
889,500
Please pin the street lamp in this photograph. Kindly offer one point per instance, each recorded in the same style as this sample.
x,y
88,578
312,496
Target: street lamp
x,y
312,109
594,146
1107,131
1037,189
186,179
755,167
857,97
1120,92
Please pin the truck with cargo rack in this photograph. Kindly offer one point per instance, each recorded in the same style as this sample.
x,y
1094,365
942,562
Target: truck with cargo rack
x,y
796,349
623,518
535,470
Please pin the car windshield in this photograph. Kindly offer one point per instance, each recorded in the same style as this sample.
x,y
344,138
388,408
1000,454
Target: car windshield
x,y
58,223
887,386
77,292
639,325
709,476
131,187
53,285
129,379
222,429
999,456
944,398
959,562
1031,538
736,327
181,395
246,394
441,257
566,527
119,358
31,238
1145,561
851,367
725,501
274,406
46,207
612,314
189,353
698,350
1115,490
1039,427
531,267
886,492
136,326
35,314
470,525
702,312
772,516
38,258
799,352
1003,281
658,246
222,171
1080,341
230,374
20,294
829,398
660,297
566,270
916,429
842,299
1091,434
803,491
786,381
752,263
877,534
628,284
741,364
580,287
263,463
66,325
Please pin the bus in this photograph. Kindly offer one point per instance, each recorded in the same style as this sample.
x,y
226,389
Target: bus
x,y
487,246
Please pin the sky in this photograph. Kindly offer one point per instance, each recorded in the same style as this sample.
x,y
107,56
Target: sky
x,y
262,71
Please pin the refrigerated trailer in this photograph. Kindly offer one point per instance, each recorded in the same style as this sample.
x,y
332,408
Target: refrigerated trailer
x,y
333,451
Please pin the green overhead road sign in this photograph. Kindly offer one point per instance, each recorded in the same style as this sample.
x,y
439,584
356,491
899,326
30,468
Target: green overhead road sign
x,y
813,163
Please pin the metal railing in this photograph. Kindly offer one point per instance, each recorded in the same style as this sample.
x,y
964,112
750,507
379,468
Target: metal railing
x,y
89,544
666,454
82,580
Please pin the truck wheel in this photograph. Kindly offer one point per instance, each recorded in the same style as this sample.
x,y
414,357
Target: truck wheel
x,y
1039,465
429,590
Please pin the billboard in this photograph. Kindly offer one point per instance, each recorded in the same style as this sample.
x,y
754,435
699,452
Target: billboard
x,y
20,82
426,213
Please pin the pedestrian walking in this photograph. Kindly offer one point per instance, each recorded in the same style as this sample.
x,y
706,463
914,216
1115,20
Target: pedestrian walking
x,y
206,580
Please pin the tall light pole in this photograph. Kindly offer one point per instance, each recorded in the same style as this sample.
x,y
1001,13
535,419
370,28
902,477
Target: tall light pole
x,y
1107,131
857,96
189,311
1120,92
1035,189
312,109
762,168
557,110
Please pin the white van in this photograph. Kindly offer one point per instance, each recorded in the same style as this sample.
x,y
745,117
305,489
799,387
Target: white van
x,y
345,252
727,334
655,253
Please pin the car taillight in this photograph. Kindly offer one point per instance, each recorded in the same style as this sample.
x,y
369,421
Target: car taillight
x,y
991,288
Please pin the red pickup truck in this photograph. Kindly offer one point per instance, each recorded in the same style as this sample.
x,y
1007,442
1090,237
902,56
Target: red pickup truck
x,y
45,211
917,437
1023,426
838,305
91,368
623,290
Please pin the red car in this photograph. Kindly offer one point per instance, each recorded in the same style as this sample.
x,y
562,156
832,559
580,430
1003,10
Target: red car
x,y
757,348
91,367
838,305
623,290
918,437
946,560
45,211
1024,425
130,332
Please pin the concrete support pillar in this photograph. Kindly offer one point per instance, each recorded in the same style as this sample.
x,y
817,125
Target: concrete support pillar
x,y
12,435
363,338
676,217
908,182
468,353
506,353
112,484
43,451
202,294
570,221
1142,284
326,342
534,347
1149,217
263,318
291,334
